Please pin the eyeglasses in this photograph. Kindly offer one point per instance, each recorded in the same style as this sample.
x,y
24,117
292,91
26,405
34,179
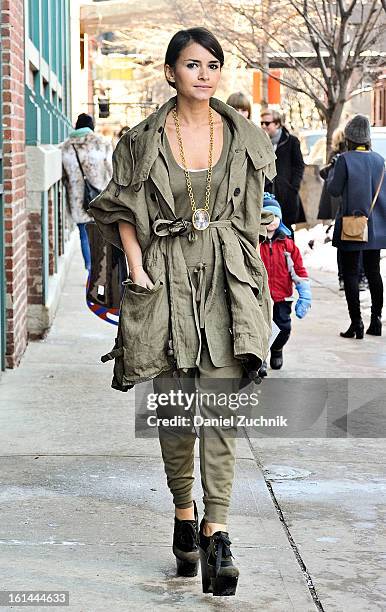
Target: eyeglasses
x,y
266,123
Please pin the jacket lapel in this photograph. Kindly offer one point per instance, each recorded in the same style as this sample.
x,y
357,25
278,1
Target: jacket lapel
x,y
159,176
146,140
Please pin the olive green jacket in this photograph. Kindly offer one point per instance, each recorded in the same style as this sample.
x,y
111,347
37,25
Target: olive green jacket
x,y
159,328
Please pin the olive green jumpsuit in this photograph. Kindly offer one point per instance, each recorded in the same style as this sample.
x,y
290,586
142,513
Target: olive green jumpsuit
x,y
216,444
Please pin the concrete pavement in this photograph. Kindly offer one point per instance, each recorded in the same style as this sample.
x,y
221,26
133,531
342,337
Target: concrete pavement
x,y
85,507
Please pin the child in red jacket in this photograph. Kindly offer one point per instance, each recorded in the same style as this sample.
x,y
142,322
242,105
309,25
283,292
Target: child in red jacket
x,y
284,265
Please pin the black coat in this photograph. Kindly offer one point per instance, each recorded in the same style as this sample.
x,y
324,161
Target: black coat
x,y
290,170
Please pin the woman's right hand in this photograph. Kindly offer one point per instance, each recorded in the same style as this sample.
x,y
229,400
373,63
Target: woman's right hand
x,y
141,278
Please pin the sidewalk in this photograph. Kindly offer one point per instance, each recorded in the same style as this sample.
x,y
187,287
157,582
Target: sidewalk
x,y
85,507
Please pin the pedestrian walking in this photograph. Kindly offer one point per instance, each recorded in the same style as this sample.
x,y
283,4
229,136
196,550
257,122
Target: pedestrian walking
x,y
240,102
184,204
94,162
360,227
289,167
329,205
285,268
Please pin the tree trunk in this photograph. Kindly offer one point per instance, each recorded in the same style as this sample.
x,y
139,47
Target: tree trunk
x,y
333,119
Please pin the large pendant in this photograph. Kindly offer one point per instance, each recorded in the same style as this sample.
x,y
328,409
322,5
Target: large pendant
x,y
200,219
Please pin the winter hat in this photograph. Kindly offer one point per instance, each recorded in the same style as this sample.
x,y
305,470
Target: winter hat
x,y
270,203
83,121
358,130
270,200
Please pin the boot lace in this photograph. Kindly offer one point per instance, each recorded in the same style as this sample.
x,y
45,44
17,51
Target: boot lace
x,y
186,533
221,549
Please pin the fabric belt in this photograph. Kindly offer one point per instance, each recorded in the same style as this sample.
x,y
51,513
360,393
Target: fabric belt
x,y
182,227
200,293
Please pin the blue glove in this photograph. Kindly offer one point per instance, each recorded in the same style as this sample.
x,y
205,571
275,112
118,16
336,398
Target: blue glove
x,y
304,302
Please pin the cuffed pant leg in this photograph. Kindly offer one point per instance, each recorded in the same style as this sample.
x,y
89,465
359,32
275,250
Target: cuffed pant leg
x,y
177,443
217,444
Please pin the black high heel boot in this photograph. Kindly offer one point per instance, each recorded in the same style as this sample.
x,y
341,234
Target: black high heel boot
x,y
185,545
356,329
375,327
219,574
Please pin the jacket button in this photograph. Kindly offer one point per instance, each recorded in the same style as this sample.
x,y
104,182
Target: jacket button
x,y
146,127
160,130
237,191
153,197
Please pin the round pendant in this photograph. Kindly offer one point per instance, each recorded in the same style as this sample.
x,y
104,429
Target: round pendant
x,y
200,219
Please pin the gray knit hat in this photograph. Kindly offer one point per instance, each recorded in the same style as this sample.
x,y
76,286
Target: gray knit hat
x,y
358,130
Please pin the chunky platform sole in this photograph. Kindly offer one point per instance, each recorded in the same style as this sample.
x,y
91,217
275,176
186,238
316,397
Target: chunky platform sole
x,y
221,585
185,568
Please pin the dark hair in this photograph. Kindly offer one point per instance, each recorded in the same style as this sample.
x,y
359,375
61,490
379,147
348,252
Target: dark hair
x,y
239,101
84,120
183,38
123,130
351,146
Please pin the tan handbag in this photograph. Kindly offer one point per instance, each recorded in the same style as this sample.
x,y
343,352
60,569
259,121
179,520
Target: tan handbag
x,y
355,227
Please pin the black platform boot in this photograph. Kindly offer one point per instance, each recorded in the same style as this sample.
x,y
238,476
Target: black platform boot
x,y
375,327
219,574
356,329
185,545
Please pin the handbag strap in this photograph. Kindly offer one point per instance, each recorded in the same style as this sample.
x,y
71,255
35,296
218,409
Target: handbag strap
x,y
80,165
377,193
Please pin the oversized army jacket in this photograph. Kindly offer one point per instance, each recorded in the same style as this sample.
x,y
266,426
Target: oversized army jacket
x,y
159,328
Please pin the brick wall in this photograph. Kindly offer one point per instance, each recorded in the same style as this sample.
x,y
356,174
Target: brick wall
x,y
12,43
34,233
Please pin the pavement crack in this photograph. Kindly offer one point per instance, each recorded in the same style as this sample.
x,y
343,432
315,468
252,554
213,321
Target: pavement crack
x,y
306,574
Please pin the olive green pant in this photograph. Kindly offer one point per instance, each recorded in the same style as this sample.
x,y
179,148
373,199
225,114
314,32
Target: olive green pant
x,y
217,445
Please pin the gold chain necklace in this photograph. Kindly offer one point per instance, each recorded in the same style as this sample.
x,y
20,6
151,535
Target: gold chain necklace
x,y
200,217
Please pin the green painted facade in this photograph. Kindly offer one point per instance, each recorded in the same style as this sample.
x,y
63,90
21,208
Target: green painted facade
x,y
47,111
48,100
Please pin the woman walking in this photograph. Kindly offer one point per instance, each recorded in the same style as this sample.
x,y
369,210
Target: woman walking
x,y
184,204
329,205
358,176
94,153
